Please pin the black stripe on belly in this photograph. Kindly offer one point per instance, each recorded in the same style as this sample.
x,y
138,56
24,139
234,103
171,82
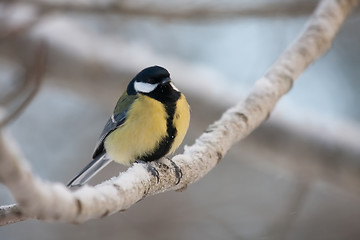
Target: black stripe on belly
x,y
166,142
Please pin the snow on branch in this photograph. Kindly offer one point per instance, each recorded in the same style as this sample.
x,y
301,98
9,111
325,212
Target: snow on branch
x,y
53,201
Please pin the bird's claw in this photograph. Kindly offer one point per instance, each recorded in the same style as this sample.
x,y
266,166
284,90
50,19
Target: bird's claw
x,y
152,170
178,172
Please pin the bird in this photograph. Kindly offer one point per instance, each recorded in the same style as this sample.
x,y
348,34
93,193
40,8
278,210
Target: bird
x,y
149,121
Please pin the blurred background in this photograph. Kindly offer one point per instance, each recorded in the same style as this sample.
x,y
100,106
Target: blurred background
x,y
295,177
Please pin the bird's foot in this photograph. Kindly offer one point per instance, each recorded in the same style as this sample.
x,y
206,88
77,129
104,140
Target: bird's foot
x,y
178,172
152,170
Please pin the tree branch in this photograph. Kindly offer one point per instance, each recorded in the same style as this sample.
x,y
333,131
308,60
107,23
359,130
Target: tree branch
x,y
179,9
53,201
11,214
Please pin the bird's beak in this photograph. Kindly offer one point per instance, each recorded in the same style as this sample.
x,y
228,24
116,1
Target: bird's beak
x,y
166,80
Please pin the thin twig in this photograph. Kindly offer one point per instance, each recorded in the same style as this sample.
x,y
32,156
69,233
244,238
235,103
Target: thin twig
x,y
30,86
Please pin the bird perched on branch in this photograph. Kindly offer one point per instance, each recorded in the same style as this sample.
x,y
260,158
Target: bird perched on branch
x,y
149,121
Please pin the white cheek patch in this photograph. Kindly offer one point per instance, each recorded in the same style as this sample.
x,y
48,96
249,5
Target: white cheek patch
x,y
144,87
173,86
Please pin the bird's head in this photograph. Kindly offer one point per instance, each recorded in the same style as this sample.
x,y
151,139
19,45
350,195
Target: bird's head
x,y
152,81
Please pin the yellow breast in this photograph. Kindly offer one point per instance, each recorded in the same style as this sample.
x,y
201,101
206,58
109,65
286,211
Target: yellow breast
x,y
142,131
144,128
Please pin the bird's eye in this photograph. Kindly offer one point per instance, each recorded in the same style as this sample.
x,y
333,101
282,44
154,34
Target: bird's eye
x,y
151,81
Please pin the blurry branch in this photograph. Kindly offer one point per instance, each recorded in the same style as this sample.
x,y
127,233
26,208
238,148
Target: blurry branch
x,y
14,103
9,33
7,30
12,213
53,201
180,9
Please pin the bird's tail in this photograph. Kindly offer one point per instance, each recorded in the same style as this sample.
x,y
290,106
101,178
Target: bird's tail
x,y
90,170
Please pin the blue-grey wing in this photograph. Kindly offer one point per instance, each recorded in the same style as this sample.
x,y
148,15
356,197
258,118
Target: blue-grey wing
x,y
115,121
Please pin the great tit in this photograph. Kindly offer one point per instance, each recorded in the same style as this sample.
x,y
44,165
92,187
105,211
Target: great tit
x,y
149,121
